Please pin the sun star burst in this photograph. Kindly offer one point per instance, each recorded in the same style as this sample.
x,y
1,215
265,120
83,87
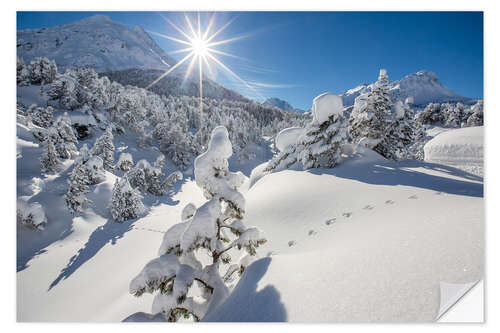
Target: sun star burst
x,y
200,48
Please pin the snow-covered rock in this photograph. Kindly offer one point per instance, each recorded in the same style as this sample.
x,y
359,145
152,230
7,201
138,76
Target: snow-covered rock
x,y
326,105
97,42
420,88
461,148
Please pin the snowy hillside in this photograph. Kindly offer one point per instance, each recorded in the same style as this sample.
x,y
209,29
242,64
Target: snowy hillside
x,y
423,86
283,105
97,41
174,84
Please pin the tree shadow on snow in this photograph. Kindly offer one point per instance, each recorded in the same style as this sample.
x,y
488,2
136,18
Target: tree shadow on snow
x,y
246,304
31,243
405,173
110,232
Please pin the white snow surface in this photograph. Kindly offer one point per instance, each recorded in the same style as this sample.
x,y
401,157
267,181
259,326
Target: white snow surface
x,y
461,148
325,105
288,137
368,241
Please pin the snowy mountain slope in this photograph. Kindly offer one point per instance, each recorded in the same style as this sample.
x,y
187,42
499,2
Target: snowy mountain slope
x,y
173,84
96,41
367,241
423,86
460,148
283,105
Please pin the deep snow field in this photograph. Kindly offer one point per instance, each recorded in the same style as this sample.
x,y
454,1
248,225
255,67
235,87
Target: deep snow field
x,y
370,240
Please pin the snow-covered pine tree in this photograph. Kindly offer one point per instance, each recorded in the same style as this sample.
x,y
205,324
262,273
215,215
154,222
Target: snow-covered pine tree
x,y
147,178
320,144
402,130
160,162
371,118
75,197
476,118
87,170
42,70
23,75
104,148
207,228
125,162
49,161
126,202
63,90
41,116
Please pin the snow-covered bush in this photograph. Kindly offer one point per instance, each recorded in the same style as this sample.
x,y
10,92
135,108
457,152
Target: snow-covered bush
x,y
125,162
31,215
126,202
105,149
49,161
209,229
40,116
147,178
371,119
319,145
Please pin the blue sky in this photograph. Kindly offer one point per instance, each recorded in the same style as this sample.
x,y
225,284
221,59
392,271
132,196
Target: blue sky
x,y
298,55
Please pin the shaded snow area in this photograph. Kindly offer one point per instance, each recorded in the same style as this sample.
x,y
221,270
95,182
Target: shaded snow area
x,y
460,148
366,241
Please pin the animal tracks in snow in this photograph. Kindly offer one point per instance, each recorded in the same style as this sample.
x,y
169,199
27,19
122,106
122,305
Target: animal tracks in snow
x,y
292,243
368,207
347,214
413,197
330,221
389,202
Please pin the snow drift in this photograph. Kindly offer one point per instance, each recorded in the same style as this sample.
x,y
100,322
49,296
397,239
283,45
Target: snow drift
x,y
461,148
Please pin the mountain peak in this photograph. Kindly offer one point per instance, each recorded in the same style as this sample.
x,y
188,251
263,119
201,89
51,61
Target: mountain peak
x,y
98,18
96,41
423,86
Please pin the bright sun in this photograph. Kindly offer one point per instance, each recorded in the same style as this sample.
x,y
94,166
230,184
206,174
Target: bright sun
x,y
200,46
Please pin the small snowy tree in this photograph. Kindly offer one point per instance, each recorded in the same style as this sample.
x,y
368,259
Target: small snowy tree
x,y
88,170
371,118
31,215
63,90
125,162
476,118
49,161
147,178
126,202
104,148
41,116
42,70
402,130
320,144
160,162
23,75
207,228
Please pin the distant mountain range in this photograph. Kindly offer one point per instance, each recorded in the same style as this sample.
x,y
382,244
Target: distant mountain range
x,y
130,56
423,86
281,104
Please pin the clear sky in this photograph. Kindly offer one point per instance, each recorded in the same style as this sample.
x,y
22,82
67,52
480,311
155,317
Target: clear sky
x,y
298,55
